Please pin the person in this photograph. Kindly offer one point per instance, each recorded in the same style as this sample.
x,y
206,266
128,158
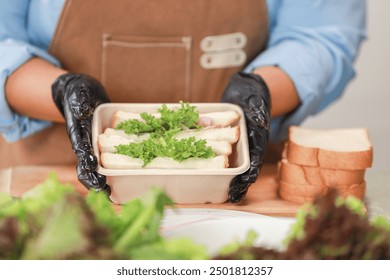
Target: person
x,y
296,55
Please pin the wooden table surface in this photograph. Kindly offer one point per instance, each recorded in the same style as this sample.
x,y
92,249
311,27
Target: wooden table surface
x,y
262,197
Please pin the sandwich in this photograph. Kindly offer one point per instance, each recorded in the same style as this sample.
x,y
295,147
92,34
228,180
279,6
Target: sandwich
x,y
178,138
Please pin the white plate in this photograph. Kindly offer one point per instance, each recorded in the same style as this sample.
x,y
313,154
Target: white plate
x,y
216,228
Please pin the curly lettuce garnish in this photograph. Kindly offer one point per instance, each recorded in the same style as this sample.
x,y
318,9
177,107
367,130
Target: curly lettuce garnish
x,y
179,150
184,117
161,142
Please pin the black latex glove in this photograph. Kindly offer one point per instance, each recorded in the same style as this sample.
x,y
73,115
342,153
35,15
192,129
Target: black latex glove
x,y
250,92
77,96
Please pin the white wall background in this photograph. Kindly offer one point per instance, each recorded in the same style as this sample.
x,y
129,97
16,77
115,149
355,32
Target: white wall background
x,y
366,101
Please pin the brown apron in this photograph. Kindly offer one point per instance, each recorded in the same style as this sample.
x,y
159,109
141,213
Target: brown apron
x,y
148,51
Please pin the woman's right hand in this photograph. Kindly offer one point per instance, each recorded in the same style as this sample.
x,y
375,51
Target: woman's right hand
x,y
76,96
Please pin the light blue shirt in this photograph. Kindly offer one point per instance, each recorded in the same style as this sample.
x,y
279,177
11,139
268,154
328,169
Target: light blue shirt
x,y
314,41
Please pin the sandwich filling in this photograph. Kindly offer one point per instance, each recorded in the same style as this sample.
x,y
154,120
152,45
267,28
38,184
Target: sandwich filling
x,y
161,141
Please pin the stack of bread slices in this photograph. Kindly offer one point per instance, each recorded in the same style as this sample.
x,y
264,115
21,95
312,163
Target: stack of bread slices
x,y
315,160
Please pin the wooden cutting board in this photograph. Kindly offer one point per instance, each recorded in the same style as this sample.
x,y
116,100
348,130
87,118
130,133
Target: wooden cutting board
x,y
262,197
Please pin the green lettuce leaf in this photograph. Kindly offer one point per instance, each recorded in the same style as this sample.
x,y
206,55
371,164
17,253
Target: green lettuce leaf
x,y
171,120
145,226
70,231
179,150
52,221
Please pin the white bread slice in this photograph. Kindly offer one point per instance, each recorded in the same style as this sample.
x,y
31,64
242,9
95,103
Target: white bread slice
x,y
107,144
306,193
117,161
310,175
121,133
347,149
217,119
120,116
229,134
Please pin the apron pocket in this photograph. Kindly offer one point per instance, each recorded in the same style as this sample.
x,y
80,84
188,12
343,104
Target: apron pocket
x,y
146,69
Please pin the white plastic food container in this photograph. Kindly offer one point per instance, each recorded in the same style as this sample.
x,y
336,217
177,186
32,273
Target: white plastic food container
x,y
182,185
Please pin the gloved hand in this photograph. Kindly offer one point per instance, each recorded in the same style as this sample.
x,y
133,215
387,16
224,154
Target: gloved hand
x,y
77,96
250,92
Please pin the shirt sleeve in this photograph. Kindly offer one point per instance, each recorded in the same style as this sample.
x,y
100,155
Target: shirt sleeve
x,y
316,43
15,50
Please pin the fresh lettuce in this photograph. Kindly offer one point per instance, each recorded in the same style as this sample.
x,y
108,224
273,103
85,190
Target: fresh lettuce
x,y
161,142
171,120
53,221
179,150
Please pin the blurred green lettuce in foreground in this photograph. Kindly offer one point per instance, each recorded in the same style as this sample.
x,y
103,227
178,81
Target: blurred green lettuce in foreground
x,y
52,221
330,228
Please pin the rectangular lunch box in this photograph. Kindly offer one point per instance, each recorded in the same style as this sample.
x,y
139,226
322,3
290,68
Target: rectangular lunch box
x,y
182,185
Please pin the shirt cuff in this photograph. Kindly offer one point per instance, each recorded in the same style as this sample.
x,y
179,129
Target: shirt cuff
x,y
13,54
296,61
